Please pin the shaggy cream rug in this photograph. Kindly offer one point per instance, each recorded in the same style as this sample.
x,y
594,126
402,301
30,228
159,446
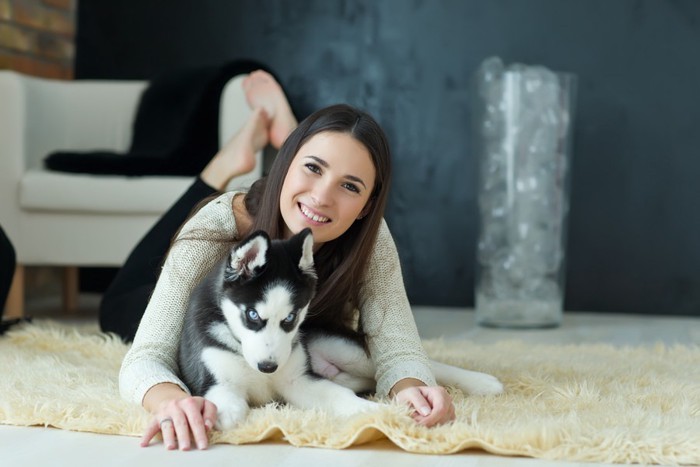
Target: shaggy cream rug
x,y
577,403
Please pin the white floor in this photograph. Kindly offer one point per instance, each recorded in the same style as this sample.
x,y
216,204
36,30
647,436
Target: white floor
x,y
45,446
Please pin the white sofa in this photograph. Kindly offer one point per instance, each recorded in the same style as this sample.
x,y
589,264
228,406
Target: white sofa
x,y
65,219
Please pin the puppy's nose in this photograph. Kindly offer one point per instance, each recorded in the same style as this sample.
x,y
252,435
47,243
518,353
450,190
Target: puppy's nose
x,y
267,367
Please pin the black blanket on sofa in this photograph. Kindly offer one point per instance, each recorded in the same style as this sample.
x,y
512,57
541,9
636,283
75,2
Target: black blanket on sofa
x,y
175,131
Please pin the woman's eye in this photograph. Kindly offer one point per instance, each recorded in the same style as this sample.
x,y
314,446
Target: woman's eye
x,y
252,315
290,317
314,168
352,187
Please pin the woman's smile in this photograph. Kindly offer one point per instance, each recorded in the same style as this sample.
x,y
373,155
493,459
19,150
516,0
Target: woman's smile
x,y
312,215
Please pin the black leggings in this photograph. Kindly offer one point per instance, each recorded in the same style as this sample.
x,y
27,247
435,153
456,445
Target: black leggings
x,y
125,300
7,268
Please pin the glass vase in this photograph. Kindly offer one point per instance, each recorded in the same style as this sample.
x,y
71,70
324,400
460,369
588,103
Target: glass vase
x,y
524,118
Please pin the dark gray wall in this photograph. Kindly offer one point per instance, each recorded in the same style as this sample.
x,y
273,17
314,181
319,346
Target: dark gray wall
x,y
634,243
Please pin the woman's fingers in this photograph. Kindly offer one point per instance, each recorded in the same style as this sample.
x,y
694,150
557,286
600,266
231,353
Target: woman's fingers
x,y
209,414
168,432
151,431
413,397
182,431
432,404
180,421
441,403
198,411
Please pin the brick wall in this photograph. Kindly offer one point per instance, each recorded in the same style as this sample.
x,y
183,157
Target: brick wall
x,y
37,37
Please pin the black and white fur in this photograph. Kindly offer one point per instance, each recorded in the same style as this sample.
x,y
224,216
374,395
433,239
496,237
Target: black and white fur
x,y
241,344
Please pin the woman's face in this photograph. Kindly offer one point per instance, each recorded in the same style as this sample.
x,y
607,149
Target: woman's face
x,y
327,187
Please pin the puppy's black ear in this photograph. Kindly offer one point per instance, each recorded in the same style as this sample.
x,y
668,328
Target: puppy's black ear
x,y
306,241
248,258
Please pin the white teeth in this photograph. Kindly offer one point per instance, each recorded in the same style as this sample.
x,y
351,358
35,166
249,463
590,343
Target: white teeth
x,y
312,216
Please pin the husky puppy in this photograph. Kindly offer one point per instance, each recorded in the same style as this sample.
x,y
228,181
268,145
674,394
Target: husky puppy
x,y
241,344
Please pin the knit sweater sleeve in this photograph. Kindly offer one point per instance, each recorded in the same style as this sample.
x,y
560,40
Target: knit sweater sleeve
x,y
152,358
387,319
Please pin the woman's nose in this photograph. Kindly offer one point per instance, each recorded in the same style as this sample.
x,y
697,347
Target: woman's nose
x,y
322,193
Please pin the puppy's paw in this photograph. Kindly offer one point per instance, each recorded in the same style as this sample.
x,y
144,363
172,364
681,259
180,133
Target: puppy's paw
x,y
230,414
483,384
231,408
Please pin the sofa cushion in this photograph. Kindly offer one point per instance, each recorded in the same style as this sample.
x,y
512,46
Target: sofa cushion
x,y
42,190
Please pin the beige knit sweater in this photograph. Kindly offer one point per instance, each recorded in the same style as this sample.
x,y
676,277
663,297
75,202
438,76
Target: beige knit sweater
x,y
384,310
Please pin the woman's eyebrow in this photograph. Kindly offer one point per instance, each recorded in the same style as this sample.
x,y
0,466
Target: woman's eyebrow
x,y
319,160
356,179
349,177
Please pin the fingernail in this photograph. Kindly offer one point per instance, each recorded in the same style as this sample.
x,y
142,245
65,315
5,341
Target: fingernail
x,y
424,411
209,424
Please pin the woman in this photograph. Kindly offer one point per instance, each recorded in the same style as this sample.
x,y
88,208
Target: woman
x,y
332,175
7,272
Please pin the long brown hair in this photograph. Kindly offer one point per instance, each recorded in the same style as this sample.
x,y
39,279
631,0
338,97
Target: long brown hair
x,y
340,263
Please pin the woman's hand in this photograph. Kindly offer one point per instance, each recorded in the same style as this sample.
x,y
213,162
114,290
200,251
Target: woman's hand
x,y
432,404
179,417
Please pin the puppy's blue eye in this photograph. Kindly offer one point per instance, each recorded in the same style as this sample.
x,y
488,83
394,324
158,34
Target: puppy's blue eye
x,y
290,317
252,315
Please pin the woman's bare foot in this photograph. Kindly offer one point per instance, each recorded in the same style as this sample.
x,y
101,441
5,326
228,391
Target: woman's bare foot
x,y
263,91
237,157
